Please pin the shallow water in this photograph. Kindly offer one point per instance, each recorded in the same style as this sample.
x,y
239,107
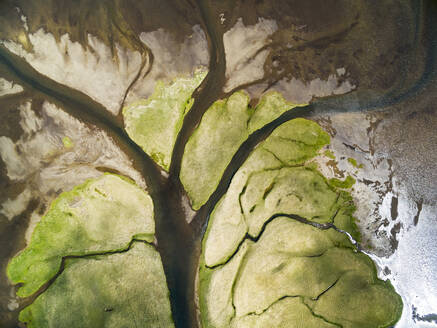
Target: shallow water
x,y
369,70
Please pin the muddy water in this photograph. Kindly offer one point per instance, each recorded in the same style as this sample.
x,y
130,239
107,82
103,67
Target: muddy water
x,y
390,71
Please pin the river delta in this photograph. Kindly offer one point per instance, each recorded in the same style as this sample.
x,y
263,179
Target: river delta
x,y
218,164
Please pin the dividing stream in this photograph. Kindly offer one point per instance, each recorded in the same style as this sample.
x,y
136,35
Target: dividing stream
x,y
179,241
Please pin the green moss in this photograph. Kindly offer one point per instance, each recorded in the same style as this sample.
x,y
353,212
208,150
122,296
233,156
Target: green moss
x,y
154,123
273,180
288,312
101,215
211,147
364,301
296,141
286,273
345,184
327,283
67,142
329,154
290,190
344,218
354,163
222,130
271,106
219,284
119,290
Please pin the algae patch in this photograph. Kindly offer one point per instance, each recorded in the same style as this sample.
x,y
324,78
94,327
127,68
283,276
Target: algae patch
x,y
329,154
101,229
345,184
354,163
297,275
117,290
154,123
272,253
222,130
67,142
101,215
276,178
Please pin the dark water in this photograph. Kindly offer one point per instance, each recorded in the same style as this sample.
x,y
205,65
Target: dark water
x,y
389,66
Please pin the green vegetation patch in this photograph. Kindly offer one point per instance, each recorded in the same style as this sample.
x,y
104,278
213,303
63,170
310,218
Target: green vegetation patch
x,y
67,142
329,154
345,184
290,190
297,275
101,215
222,130
354,163
275,253
119,290
154,123
277,178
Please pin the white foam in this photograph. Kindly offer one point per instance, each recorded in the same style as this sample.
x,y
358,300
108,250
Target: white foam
x,y
222,18
92,70
170,59
9,88
13,301
12,207
245,58
22,18
341,71
189,213
243,63
40,159
300,92
371,192
34,219
413,268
